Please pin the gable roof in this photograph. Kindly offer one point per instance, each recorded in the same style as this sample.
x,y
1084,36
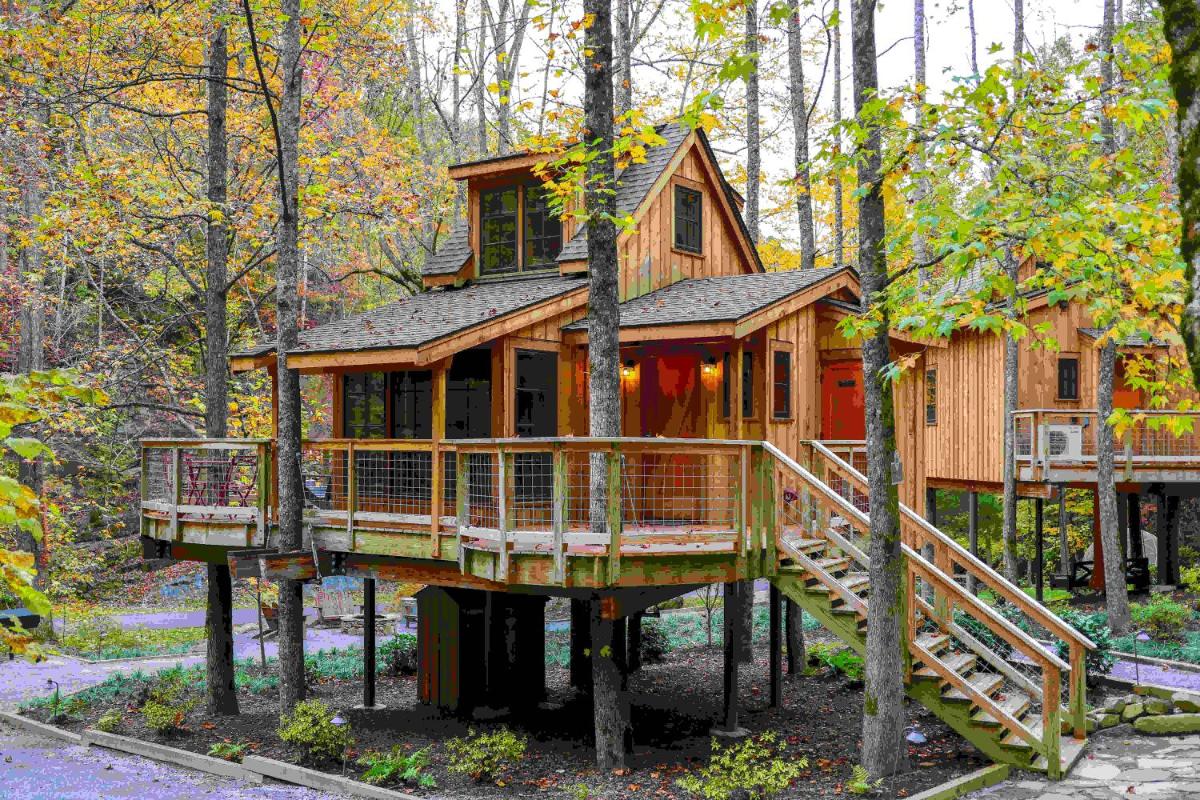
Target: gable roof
x,y
450,257
728,298
428,317
1128,341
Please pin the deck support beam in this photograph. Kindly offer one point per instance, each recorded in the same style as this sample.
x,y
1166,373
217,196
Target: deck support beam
x,y
776,658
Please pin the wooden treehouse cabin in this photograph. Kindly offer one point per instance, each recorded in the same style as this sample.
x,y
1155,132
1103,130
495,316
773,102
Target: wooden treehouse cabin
x,y
459,460
959,388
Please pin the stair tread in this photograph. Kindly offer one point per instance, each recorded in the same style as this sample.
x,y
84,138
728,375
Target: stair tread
x,y
984,682
804,545
855,580
1014,704
826,563
933,642
1010,739
957,662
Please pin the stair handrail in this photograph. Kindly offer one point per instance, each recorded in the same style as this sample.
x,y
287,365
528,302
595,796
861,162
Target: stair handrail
x,y
1035,649
994,579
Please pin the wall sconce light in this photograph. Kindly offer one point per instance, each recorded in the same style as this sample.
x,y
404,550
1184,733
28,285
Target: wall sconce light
x,y
628,370
709,368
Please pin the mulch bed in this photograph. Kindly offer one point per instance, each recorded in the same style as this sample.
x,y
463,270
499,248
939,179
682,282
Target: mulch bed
x,y
674,704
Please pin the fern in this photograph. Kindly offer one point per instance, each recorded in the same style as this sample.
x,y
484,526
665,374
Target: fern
x,y
860,782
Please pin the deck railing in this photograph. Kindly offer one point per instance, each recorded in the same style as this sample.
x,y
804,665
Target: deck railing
x,y
616,496
936,601
1056,437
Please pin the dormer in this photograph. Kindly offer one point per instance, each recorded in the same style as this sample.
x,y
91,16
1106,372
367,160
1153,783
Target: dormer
x,y
687,221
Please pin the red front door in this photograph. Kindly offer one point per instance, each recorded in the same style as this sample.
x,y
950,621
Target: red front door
x,y
842,415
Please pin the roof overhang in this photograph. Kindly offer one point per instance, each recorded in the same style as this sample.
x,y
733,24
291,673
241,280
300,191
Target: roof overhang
x,y
491,167
437,349
249,363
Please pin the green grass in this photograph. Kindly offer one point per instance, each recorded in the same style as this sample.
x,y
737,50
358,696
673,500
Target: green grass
x,y
131,642
1188,650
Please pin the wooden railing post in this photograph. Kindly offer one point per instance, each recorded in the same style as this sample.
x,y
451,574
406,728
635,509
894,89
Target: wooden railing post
x,y
435,498
768,499
351,492
1052,720
264,492
750,520
559,511
614,514
462,511
176,492
1078,690
504,465
909,615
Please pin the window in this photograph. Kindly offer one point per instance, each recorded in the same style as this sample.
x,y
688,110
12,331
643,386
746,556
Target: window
x,y
543,229
365,407
498,231
412,405
931,397
781,384
1068,378
689,232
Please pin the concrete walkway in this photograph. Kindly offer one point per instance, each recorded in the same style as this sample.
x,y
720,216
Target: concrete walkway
x,y
1120,763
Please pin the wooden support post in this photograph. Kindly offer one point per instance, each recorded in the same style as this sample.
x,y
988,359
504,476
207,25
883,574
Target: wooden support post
x,y
264,494
1064,541
176,493
1123,524
1098,553
620,649
369,643
504,475
972,534
581,641
1078,687
1168,534
1039,566
436,457
1135,526
351,491
776,660
729,721
462,502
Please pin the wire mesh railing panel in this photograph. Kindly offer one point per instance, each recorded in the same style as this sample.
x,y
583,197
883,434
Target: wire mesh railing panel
x,y
158,481
393,482
221,478
449,481
579,488
672,490
324,472
1023,435
483,496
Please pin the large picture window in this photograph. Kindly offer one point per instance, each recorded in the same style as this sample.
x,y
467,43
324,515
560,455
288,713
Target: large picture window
x,y
689,229
498,231
543,229
365,405
412,405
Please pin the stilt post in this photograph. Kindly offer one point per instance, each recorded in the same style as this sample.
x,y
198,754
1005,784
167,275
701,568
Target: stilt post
x,y
733,603
1064,542
776,645
368,642
1039,567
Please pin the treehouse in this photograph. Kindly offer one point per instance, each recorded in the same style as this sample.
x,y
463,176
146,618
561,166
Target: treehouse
x,y
959,388
459,459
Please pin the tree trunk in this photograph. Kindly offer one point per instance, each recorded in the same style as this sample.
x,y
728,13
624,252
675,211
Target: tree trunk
x,y
1181,27
804,207
753,136
1011,386
624,53
604,382
218,618
290,494
481,81
974,38
920,245
839,216
610,704
1116,593
795,638
883,696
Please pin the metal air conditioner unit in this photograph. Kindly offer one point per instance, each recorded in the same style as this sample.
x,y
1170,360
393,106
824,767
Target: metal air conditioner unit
x,y
1064,442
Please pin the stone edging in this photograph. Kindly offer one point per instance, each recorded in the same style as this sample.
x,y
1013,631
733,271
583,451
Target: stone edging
x,y
195,651
964,784
33,726
170,755
314,779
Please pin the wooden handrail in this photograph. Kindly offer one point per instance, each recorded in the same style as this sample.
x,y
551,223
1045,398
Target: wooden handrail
x,y
995,580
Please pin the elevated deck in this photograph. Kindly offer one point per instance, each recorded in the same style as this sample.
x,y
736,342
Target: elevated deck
x,y
1060,446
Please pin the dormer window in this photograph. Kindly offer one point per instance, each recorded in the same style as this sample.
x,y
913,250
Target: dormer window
x,y
518,230
689,231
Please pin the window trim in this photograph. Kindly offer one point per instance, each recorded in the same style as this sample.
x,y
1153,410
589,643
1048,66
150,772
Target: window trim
x,y
678,188
1058,383
518,220
931,373
789,412
521,239
523,207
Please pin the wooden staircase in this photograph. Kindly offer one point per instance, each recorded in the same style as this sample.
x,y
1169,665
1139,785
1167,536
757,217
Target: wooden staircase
x,y
976,669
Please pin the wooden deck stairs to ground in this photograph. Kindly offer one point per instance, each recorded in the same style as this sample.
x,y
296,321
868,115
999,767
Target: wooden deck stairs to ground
x,y
976,669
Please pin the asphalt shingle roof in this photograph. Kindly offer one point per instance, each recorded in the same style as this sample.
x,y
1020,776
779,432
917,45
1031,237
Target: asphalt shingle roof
x,y
722,299
429,316
453,253
633,183
1128,341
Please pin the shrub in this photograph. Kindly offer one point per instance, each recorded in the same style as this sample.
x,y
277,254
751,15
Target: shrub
x,y
484,755
1094,627
756,766
110,721
230,751
1162,617
398,765
310,727
161,718
655,644
860,782
1190,578
398,655
839,659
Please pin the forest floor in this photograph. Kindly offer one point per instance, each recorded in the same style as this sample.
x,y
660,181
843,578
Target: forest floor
x,y
674,705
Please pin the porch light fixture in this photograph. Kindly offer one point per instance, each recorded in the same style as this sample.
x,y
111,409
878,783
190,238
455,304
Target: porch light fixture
x,y
628,370
709,368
